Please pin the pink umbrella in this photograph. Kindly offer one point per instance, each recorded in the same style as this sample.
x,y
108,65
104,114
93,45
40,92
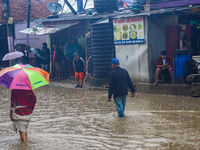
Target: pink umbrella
x,y
12,55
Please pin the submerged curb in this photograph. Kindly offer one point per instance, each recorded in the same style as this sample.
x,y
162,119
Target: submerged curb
x,y
167,89
72,86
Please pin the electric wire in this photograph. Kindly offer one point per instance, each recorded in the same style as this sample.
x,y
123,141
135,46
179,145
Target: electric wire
x,y
44,3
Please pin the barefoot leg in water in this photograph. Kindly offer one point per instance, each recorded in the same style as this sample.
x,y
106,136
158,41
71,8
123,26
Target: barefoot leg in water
x,y
23,136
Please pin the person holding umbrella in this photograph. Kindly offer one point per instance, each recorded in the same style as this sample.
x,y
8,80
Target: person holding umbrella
x,y
45,62
37,61
22,79
39,56
22,106
18,61
25,57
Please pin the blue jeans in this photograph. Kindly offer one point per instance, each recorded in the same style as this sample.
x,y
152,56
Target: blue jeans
x,y
120,103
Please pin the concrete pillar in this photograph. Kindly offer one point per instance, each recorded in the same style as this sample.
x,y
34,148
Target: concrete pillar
x,y
49,46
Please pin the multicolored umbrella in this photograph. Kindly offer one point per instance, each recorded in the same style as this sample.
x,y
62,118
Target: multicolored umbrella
x,y
24,77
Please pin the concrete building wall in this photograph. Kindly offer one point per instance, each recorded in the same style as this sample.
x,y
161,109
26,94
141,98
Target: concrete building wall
x,y
31,40
157,38
134,58
19,10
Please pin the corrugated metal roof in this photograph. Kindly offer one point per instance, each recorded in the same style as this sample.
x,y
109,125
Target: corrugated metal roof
x,y
87,16
160,11
116,14
46,30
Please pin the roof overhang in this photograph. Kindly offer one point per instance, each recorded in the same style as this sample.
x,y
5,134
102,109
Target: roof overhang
x,y
45,30
160,11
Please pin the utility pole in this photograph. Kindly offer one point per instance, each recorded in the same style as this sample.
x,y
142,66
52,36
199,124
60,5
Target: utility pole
x,y
28,16
28,21
70,7
6,9
6,15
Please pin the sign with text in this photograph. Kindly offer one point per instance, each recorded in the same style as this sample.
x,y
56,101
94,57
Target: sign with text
x,y
129,31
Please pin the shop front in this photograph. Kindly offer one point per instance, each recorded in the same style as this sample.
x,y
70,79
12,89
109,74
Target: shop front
x,y
189,33
70,40
87,37
140,46
189,46
130,38
139,39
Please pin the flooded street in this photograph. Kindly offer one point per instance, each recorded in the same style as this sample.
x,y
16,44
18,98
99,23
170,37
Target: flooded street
x,y
79,119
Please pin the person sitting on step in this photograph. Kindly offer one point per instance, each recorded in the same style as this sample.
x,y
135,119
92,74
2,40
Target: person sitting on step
x,y
163,65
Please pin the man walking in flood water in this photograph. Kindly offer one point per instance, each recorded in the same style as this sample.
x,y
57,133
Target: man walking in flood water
x,y
119,79
22,106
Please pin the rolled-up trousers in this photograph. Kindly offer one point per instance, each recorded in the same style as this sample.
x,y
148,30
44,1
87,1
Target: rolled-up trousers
x,y
120,103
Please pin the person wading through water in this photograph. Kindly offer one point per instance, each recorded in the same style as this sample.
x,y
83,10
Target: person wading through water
x,y
119,79
22,106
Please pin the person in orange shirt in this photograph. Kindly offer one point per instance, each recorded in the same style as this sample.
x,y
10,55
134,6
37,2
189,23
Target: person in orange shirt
x,y
79,68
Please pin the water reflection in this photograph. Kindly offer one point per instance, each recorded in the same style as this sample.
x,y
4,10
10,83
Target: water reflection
x,y
83,119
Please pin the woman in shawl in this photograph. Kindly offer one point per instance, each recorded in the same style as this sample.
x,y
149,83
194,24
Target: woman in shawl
x,y
22,106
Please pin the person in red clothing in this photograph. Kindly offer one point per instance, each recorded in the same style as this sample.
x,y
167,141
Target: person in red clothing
x,y
22,106
57,57
163,64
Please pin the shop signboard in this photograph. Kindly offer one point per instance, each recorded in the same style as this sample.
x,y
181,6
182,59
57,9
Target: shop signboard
x,y
128,31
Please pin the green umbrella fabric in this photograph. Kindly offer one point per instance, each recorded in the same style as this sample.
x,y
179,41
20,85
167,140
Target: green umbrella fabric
x,y
74,48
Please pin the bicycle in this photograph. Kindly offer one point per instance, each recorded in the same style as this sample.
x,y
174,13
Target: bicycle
x,y
87,81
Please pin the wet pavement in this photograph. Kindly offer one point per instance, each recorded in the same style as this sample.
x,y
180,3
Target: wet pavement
x,y
66,118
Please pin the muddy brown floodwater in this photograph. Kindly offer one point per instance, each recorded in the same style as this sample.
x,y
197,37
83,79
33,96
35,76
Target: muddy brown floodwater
x,y
75,119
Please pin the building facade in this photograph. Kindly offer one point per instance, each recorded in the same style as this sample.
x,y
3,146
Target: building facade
x,y
19,14
19,10
157,4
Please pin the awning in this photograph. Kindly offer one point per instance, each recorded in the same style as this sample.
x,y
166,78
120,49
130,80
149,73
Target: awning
x,y
46,29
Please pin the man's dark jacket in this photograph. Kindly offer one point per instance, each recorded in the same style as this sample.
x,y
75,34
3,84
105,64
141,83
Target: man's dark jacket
x,y
47,56
119,79
58,55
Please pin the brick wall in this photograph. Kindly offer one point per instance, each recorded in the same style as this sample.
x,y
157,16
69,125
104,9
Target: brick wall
x,y
19,9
